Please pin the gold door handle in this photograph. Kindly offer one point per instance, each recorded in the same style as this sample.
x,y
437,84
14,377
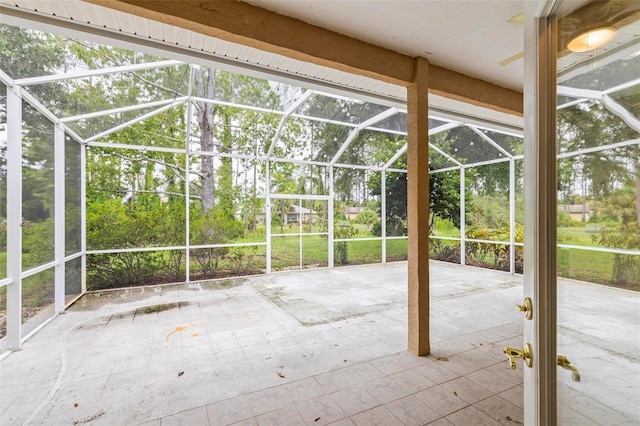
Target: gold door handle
x,y
526,308
564,362
524,354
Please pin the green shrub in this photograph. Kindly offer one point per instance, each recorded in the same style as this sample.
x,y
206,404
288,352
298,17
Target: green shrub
x,y
341,253
445,226
395,228
367,217
626,268
213,227
494,256
112,224
38,243
563,219
444,250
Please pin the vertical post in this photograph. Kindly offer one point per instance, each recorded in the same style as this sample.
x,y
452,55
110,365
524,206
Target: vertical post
x,y
267,215
187,188
383,219
83,216
540,214
187,219
330,227
418,208
463,219
512,216
14,217
300,216
59,216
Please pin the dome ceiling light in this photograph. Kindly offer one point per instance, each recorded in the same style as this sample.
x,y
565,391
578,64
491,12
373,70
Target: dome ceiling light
x,y
592,39
594,25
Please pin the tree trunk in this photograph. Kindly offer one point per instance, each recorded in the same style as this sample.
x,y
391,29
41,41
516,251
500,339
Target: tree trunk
x,y
225,191
205,85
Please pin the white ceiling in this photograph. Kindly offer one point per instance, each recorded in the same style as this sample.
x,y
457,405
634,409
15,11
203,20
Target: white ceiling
x,y
467,36
470,37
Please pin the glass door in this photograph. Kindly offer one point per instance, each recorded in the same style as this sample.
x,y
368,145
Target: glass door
x,y
598,217
581,342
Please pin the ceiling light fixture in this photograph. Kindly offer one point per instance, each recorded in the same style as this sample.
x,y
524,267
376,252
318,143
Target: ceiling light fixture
x,y
591,39
517,19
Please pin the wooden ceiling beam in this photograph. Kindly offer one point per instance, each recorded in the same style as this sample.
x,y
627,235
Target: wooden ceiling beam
x,y
461,87
252,26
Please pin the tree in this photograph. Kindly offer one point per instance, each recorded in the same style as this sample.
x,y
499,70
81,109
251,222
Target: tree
x,y
205,88
37,54
281,206
229,130
589,125
444,197
27,53
396,202
367,148
621,205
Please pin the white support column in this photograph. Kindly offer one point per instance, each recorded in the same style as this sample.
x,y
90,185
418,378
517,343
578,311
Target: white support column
x,y
187,189
383,210
300,226
187,220
463,218
14,217
267,215
83,216
332,194
59,216
512,216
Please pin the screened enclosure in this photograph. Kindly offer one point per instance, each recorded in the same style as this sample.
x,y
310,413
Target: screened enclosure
x,y
122,169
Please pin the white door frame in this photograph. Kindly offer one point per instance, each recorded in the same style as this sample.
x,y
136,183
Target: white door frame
x,y
540,407
298,197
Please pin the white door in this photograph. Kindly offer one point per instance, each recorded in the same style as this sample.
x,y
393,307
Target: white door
x,y
582,222
298,232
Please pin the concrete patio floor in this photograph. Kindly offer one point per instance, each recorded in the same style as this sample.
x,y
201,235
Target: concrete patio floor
x,y
318,347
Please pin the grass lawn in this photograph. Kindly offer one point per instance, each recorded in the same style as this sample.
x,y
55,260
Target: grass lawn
x,y
576,236
285,252
396,250
578,264
358,252
584,265
36,290
37,294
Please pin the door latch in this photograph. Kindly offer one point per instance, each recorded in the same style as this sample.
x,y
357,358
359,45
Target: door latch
x,y
526,308
564,362
524,354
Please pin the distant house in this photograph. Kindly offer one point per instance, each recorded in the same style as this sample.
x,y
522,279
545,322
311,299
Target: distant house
x,y
295,214
353,212
298,214
575,211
